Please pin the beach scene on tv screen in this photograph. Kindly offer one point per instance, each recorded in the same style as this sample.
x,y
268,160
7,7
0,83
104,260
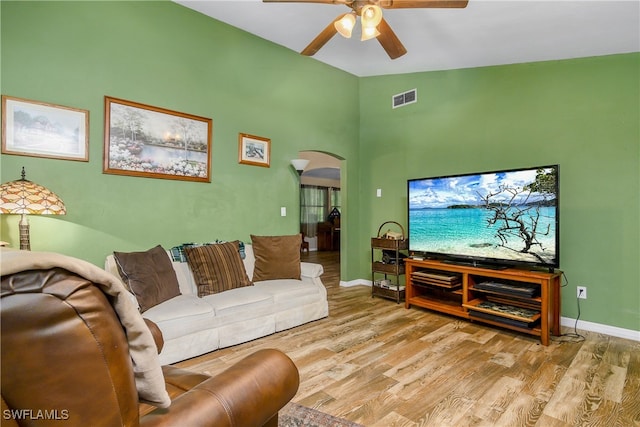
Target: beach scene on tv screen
x,y
507,215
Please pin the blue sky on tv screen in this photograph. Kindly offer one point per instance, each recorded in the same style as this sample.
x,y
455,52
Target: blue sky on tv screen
x,y
467,189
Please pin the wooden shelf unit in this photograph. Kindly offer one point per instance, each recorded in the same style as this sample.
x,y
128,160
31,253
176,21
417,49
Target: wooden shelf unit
x,y
391,271
520,300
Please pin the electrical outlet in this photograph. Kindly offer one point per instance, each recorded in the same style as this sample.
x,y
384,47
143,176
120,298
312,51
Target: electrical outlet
x,y
581,292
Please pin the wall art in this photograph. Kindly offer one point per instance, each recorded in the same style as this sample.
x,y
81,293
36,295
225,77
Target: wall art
x,y
254,150
141,140
39,129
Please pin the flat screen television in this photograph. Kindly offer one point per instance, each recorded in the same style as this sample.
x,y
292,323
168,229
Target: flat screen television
x,y
495,219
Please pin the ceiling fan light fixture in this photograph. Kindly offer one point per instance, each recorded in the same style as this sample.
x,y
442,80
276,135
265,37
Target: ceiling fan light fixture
x,y
371,15
345,24
369,33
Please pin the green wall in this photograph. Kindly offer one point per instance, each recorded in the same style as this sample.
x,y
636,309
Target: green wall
x,y
582,114
162,54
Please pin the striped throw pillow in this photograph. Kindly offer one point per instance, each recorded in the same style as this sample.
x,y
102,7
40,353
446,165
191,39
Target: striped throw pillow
x,y
217,268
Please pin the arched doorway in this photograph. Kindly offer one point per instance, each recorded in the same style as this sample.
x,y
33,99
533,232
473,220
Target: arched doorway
x,y
321,201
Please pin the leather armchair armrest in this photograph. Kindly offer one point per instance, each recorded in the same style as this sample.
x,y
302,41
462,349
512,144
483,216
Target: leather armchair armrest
x,y
157,334
250,393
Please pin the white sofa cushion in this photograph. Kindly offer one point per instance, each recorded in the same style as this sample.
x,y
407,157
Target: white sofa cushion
x,y
287,289
182,315
247,300
186,282
181,306
249,260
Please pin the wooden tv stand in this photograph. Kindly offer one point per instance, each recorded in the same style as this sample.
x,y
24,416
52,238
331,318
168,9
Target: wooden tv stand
x,y
520,300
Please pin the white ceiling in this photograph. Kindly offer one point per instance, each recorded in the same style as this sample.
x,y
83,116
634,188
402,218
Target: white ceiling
x,y
486,32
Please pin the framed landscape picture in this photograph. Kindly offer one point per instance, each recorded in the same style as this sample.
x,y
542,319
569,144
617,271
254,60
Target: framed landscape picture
x,y
254,150
39,129
141,140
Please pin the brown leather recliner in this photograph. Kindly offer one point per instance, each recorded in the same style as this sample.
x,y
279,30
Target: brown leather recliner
x,y
65,362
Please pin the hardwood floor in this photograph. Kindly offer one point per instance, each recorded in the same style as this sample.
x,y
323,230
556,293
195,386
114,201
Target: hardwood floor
x,y
376,363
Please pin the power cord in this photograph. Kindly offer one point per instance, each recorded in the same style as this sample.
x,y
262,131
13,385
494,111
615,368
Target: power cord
x,y
574,337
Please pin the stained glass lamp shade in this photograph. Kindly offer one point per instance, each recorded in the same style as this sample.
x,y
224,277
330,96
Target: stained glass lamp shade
x,y
24,197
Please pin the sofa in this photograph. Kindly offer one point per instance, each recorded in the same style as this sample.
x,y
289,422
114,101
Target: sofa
x,y
193,324
75,359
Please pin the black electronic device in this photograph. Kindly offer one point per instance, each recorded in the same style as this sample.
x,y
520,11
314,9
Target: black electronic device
x,y
389,256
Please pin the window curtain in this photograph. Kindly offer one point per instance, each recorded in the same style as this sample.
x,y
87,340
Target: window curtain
x,y
335,198
313,208
315,205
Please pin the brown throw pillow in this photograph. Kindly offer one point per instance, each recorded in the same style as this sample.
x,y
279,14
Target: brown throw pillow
x,y
277,257
217,268
149,276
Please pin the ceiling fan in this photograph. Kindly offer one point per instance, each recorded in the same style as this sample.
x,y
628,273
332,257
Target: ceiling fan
x,y
373,24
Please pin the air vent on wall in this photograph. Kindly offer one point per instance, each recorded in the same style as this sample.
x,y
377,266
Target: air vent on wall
x,y
408,97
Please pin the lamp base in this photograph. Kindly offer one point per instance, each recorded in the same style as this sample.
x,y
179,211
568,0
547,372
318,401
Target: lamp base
x,y
24,234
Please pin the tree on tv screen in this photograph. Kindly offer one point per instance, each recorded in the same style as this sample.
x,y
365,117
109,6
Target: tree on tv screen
x,y
517,212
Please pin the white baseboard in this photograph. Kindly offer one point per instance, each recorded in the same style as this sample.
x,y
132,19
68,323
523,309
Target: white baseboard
x,y
614,331
357,282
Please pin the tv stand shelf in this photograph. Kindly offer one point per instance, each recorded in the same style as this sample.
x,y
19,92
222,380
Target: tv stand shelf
x,y
520,300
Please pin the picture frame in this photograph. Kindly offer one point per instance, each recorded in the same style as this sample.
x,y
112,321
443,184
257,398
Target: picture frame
x,y
152,142
41,129
254,150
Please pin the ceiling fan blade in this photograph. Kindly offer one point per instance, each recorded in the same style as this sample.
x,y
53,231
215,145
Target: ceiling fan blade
x,y
322,38
405,4
389,41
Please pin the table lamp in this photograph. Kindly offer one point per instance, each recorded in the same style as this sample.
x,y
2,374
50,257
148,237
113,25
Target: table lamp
x,y
24,197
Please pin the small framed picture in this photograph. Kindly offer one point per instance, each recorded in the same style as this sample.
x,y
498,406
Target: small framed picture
x,y
152,142
39,129
254,150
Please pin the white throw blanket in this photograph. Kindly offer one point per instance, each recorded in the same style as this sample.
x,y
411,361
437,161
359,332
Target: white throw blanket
x,y
144,354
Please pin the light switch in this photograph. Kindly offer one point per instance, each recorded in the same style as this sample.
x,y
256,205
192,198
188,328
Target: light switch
x,y
283,211
379,192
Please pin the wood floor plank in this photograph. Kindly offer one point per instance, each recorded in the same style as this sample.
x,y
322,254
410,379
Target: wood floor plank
x,y
629,414
542,382
372,411
453,410
392,419
497,398
376,363
571,397
524,411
